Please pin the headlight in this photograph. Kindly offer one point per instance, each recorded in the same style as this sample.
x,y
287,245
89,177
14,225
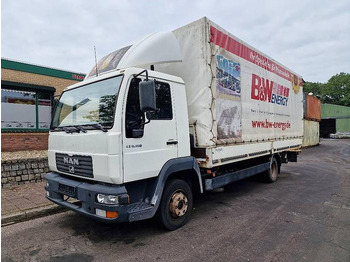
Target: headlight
x,y
107,199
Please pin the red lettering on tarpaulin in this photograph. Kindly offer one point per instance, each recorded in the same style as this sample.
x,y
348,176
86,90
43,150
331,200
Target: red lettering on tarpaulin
x,y
256,82
269,89
233,46
280,90
265,90
268,124
286,92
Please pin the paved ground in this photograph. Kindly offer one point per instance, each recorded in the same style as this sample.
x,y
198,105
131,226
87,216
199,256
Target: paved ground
x,y
23,198
304,216
25,202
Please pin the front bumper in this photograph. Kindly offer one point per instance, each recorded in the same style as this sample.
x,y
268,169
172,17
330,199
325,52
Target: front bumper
x,y
59,188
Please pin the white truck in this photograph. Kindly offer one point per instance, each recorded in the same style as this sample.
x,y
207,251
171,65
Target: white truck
x,y
175,113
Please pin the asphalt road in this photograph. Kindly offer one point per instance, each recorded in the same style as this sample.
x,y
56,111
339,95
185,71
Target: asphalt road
x,y
304,216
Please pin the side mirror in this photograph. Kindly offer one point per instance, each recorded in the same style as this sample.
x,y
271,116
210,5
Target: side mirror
x,y
147,92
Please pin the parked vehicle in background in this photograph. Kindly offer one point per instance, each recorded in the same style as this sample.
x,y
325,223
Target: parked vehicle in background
x,y
176,113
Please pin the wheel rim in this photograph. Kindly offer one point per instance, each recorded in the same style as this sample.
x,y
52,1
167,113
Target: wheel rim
x,y
273,171
178,204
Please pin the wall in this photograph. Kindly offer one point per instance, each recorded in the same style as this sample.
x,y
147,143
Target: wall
x,y
11,142
334,111
35,79
340,113
342,125
38,76
23,171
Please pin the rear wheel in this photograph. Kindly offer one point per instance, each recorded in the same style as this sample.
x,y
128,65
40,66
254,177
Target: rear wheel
x,y
271,174
176,204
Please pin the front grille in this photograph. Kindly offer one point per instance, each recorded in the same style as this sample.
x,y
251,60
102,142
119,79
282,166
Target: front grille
x,y
75,164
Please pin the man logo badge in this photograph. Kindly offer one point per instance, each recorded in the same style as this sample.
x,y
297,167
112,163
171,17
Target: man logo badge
x,y
71,161
71,169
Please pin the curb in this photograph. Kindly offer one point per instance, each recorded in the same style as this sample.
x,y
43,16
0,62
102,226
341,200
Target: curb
x,y
14,218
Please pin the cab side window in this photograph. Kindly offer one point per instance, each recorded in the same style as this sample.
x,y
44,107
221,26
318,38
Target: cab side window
x,y
163,101
134,118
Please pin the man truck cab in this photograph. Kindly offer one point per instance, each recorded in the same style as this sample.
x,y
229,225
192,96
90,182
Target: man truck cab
x,y
175,113
103,139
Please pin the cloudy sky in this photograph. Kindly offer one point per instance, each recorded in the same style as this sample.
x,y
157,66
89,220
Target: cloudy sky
x,y
310,37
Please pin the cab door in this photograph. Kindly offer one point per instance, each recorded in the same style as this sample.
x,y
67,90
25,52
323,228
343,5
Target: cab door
x,y
149,140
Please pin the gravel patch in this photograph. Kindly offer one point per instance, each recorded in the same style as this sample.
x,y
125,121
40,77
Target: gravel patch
x,y
23,155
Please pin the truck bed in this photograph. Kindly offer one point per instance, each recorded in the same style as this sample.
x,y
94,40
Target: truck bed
x,y
221,155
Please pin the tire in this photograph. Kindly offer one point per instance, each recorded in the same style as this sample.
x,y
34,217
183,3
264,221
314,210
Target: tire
x,y
272,173
176,204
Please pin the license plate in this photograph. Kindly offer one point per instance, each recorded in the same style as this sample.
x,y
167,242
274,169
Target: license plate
x,y
67,190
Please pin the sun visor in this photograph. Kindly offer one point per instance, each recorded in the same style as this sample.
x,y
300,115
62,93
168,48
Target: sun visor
x,y
162,47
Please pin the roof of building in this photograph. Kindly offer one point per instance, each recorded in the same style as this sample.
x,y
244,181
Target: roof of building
x,y
41,70
334,111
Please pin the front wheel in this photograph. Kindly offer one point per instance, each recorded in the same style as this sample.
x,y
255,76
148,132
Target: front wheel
x,y
176,204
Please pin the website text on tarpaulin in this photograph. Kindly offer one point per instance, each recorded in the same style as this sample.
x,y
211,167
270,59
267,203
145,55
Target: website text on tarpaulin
x,y
268,124
269,91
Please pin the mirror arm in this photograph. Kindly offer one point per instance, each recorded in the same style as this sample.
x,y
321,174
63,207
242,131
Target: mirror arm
x,y
144,71
144,122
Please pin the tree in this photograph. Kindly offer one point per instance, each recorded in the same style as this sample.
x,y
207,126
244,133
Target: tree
x,y
314,87
335,91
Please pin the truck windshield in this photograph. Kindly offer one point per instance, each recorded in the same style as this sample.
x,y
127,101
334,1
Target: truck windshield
x,y
89,107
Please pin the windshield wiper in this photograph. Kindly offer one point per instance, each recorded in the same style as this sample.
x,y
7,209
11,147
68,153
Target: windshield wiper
x,y
80,128
99,126
65,129
68,129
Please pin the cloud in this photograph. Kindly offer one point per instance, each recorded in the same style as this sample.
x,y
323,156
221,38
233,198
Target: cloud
x,y
310,37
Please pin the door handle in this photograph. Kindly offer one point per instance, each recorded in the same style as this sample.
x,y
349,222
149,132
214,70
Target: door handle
x,y
171,142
